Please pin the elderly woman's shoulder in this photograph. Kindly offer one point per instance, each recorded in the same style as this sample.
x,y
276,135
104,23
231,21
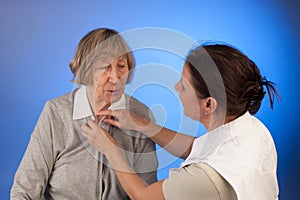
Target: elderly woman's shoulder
x,y
135,105
133,102
62,102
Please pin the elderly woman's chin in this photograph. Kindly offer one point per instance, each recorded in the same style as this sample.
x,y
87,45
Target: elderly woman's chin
x,y
113,96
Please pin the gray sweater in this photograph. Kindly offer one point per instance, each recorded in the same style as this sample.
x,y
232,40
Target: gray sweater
x,y
59,163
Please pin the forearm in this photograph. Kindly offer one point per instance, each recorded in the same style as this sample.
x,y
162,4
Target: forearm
x,y
133,185
177,144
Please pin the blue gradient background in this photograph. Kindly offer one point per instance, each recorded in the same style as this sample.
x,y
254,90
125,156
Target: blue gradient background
x,y
38,39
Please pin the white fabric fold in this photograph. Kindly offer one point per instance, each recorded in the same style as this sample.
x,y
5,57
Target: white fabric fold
x,y
243,152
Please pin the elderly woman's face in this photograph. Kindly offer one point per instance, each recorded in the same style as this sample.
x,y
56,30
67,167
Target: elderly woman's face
x,y
109,80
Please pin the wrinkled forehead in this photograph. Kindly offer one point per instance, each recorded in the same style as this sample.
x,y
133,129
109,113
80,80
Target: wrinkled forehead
x,y
110,49
122,58
109,58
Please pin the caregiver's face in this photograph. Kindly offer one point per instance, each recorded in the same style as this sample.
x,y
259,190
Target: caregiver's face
x,y
187,94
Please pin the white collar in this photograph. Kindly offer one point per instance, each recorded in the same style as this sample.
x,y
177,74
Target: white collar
x,y
82,108
207,143
243,152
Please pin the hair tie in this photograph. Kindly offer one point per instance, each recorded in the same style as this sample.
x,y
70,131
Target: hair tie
x,y
271,90
265,82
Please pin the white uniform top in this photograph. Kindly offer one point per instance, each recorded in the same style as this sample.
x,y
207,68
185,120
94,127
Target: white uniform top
x,y
243,152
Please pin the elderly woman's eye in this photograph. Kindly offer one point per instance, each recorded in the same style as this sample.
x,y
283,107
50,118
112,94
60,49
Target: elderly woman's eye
x,y
121,66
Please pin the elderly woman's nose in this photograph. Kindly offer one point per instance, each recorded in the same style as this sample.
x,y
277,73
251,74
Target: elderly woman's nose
x,y
113,74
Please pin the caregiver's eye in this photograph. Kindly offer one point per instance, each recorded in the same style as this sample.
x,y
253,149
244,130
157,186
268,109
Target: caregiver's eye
x,y
181,84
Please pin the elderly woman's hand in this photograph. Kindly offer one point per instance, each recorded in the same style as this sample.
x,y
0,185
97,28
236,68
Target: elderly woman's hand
x,y
124,119
98,137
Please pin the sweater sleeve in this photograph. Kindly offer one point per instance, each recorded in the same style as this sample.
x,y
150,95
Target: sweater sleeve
x,y
146,162
145,158
32,175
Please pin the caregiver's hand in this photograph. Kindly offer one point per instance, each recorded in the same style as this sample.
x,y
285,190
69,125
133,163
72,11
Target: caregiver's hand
x,y
98,137
124,119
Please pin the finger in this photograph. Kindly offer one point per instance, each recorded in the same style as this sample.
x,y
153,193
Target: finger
x,y
86,135
112,122
92,124
113,113
105,113
85,128
96,128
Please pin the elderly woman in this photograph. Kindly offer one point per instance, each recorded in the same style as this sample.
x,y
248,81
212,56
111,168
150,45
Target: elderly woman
x,y
235,159
59,163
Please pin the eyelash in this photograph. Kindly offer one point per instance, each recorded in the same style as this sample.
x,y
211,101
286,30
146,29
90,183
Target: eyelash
x,y
108,66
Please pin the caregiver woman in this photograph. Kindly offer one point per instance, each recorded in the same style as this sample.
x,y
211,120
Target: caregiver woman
x,y
235,159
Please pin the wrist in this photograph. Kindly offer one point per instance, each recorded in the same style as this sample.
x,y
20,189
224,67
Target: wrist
x,y
142,124
118,161
150,129
113,154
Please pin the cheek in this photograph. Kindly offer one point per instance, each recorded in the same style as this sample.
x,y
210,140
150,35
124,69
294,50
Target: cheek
x,y
100,78
124,76
184,100
99,82
188,108
190,104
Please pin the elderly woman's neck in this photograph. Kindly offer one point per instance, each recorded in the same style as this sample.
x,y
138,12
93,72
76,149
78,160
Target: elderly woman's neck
x,y
96,105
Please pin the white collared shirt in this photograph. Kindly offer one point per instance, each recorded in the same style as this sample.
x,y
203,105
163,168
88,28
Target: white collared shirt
x,y
82,108
243,152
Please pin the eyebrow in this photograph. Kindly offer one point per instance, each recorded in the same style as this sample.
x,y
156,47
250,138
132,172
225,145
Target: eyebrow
x,y
103,66
122,60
